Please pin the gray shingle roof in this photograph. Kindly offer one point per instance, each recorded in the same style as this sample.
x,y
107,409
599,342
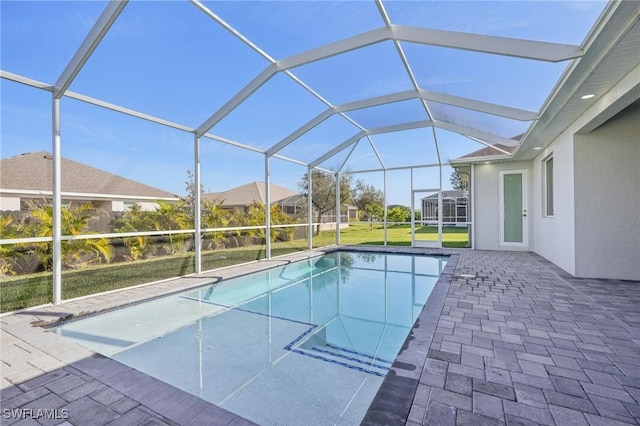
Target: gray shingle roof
x,y
33,172
249,193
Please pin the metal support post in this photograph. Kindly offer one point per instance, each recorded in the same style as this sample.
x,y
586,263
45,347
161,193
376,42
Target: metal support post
x,y
338,208
197,242
267,206
57,204
310,208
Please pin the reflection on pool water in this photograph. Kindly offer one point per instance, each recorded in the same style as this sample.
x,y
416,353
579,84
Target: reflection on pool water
x,y
310,341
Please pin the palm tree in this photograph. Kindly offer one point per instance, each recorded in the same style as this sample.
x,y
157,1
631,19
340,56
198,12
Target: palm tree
x,y
8,252
136,220
215,216
75,221
168,217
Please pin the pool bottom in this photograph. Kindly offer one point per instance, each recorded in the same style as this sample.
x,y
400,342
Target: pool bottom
x,y
240,368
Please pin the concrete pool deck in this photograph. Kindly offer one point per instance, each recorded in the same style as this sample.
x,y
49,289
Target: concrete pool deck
x,y
516,340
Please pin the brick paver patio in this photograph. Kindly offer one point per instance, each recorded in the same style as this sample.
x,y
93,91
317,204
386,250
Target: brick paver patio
x,y
517,341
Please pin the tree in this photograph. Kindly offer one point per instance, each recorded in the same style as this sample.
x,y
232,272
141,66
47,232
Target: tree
x,y
136,220
399,214
456,180
188,202
323,192
75,221
368,199
8,252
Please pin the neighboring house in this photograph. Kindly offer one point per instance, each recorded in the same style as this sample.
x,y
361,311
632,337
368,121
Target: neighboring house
x,y
454,208
290,201
29,177
571,191
243,196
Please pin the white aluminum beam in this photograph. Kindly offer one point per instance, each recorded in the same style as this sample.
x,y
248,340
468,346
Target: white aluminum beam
x,y
378,100
353,139
291,160
474,133
56,179
527,49
375,151
480,106
25,80
232,30
301,131
233,143
353,148
389,169
240,97
399,127
342,46
197,243
82,55
127,111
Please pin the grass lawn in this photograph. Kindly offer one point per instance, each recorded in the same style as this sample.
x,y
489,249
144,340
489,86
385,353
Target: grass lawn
x,y
400,235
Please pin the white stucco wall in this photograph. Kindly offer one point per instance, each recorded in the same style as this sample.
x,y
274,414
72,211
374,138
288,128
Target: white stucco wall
x,y
487,204
607,202
9,204
554,237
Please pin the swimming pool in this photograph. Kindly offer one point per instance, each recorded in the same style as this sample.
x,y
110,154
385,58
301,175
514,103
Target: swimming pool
x,y
311,340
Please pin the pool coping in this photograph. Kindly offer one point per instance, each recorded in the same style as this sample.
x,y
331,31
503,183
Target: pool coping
x,y
392,401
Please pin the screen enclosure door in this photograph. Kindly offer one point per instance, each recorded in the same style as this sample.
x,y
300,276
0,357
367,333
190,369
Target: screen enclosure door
x,y
426,221
513,208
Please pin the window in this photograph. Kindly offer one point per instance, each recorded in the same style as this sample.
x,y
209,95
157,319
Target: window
x,y
548,185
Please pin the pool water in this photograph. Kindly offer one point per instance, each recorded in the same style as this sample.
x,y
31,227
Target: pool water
x,y
308,342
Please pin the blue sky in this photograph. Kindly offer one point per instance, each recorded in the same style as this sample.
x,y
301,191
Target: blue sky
x,y
170,60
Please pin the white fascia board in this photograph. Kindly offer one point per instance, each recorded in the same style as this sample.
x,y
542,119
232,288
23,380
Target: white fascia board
x,y
399,127
86,195
480,106
301,131
240,97
353,139
25,80
475,133
345,45
82,55
527,49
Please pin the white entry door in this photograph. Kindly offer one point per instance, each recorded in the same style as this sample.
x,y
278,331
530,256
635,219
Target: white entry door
x,y
426,227
514,220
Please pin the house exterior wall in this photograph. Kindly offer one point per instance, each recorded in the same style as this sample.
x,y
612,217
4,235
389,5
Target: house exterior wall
x,y
554,237
487,204
9,204
607,199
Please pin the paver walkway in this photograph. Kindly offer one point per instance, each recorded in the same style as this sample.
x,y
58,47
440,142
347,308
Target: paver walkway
x,y
520,342
523,342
